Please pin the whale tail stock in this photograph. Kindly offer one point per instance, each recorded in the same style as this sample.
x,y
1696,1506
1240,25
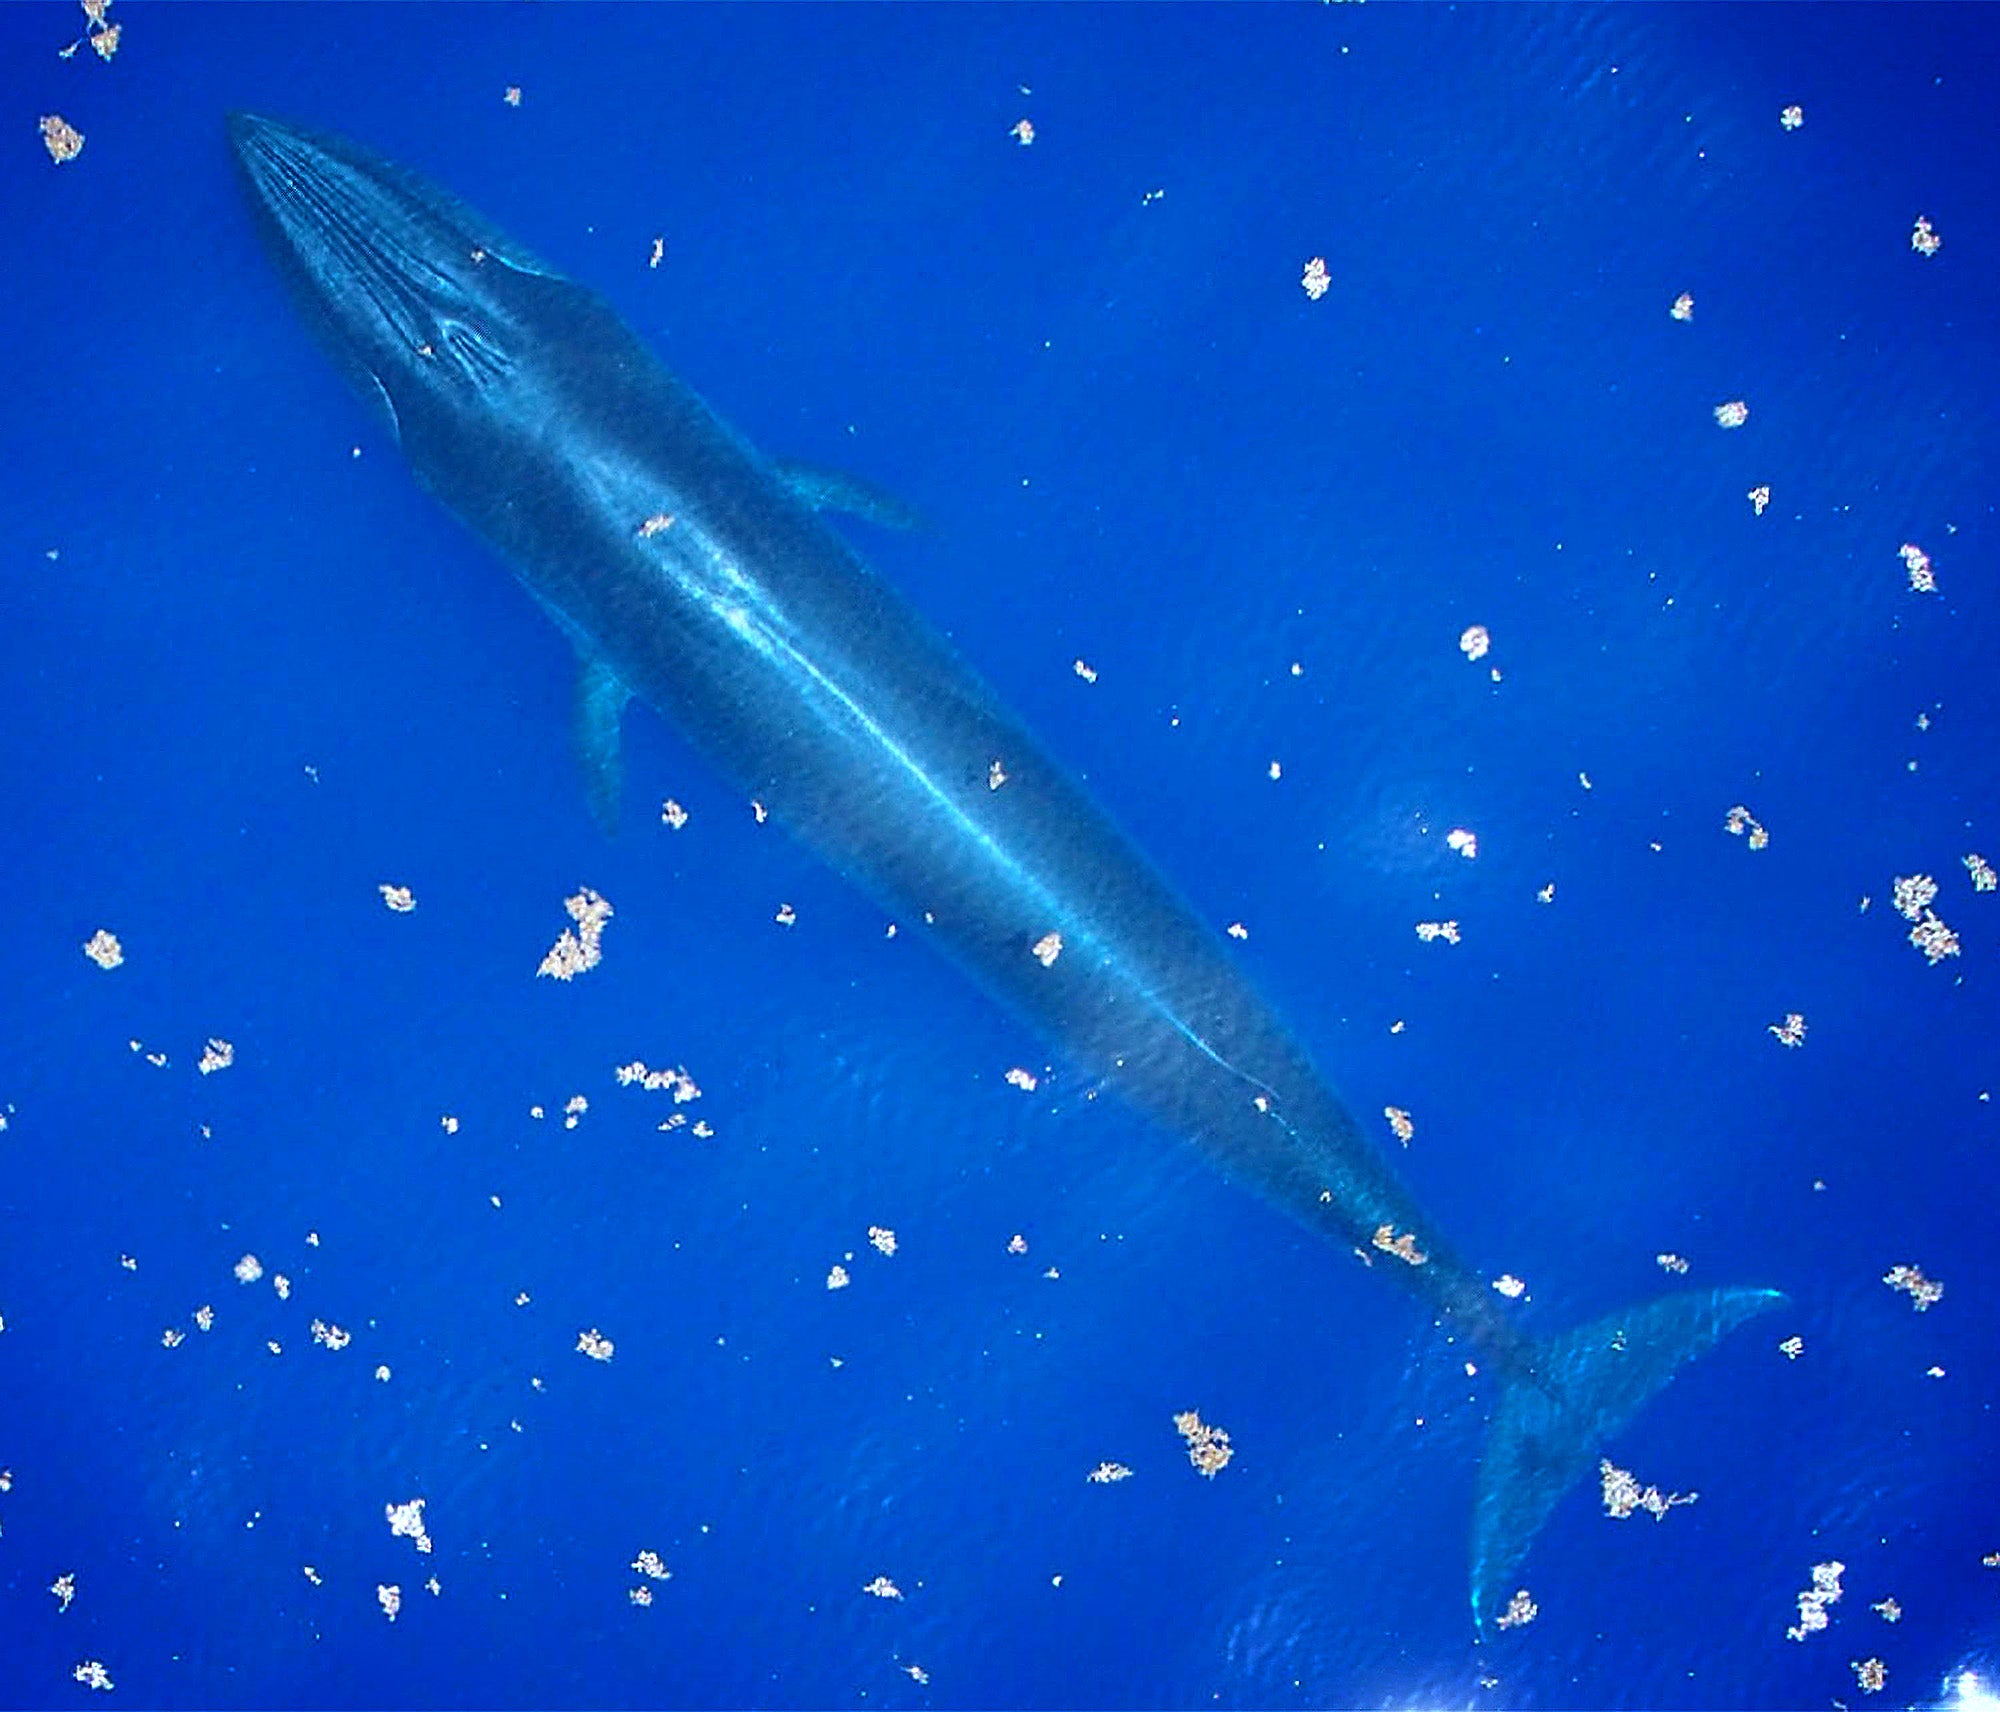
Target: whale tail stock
x,y
1577,1392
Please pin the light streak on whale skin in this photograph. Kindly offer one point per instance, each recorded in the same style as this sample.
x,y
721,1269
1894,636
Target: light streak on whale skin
x,y
692,572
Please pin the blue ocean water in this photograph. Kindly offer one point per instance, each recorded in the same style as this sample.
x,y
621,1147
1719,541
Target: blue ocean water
x,y
252,674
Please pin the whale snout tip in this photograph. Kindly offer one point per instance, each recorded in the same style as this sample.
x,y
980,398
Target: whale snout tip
x,y
247,129
257,137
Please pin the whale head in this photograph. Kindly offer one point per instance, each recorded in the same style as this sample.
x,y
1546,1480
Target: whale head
x,y
414,295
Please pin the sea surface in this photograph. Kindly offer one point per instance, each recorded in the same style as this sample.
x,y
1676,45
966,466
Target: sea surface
x,y
1245,365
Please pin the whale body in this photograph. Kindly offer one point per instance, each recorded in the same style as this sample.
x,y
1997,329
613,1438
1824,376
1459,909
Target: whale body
x,y
694,573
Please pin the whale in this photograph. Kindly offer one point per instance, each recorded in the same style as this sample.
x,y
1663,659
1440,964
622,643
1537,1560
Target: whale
x,y
695,573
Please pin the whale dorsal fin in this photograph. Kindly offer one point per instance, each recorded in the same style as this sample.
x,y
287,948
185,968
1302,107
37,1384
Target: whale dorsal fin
x,y
827,489
601,696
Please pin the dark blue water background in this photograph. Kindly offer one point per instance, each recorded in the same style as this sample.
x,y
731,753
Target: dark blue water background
x,y
250,673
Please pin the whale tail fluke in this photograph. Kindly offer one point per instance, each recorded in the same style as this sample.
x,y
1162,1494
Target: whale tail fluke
x,y
1550,1425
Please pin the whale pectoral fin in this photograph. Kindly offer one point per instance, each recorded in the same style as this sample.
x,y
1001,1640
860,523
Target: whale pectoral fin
x,y
835,490
600,701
